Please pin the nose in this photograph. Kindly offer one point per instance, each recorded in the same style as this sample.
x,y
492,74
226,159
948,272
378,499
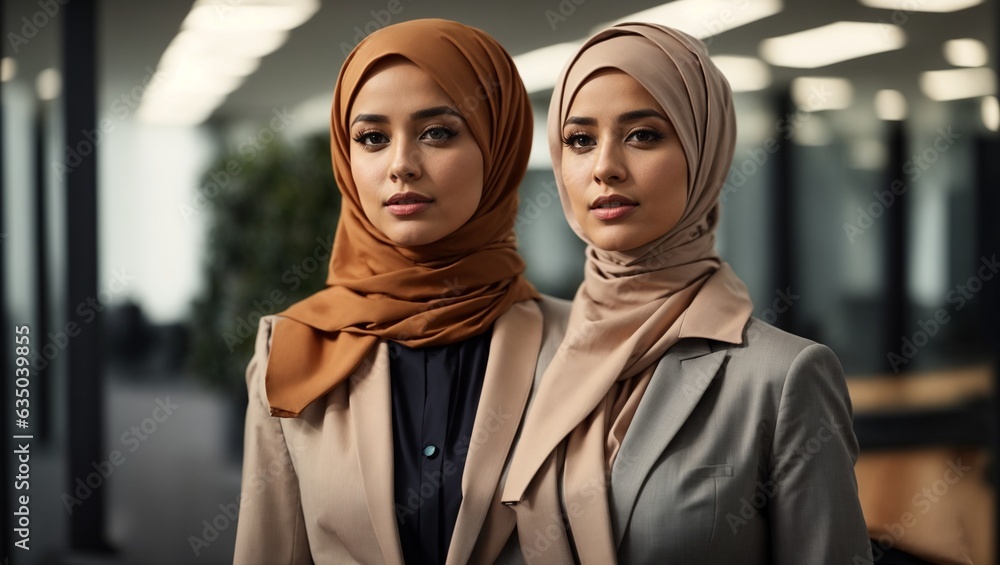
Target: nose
x,y
405,163
610,165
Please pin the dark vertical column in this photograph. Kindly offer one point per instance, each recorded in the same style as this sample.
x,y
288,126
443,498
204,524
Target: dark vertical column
x,y
84,352
5,341
782,236
988,209
895,302
988,245
40,380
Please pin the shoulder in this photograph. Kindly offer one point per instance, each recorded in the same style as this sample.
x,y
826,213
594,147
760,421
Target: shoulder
x,y
265,331
767,347
554,310
257,368
782,366
555,315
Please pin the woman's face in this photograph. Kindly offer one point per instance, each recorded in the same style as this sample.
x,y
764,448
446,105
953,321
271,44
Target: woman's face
x,y
622,163
418,170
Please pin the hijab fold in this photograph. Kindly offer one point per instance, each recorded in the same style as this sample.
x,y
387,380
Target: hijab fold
x,y
433,294
633,306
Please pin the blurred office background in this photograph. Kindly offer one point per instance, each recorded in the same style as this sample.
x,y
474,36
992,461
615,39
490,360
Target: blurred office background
x,y
166,181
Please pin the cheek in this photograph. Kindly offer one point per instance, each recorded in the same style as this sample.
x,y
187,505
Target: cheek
x,y
673,166
463,175
364,171
672,177
468,165
676,169
576,183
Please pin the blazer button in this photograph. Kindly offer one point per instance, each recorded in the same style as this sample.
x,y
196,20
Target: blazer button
x,y
430,451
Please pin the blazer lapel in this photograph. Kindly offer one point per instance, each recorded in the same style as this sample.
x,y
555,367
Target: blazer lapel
x,y
371,409
510,370
680,380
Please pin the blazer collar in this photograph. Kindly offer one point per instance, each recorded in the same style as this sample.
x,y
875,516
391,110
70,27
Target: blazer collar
x,y
371,415
680,380
510,369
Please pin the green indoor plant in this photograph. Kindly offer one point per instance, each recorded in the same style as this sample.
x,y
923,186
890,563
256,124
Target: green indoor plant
x,y
271,216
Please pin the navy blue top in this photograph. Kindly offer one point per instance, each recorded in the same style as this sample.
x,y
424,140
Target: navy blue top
x,y
435,395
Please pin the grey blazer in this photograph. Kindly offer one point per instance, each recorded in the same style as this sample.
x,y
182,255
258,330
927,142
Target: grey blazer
x,y
739,454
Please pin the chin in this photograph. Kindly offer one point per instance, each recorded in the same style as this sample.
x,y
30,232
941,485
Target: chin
x,y
412,235
617,238
412,240
613,244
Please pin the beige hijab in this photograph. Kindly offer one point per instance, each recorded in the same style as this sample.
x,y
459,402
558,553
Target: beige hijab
x,y
632,306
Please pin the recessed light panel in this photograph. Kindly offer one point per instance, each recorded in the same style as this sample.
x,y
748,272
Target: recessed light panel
x,y
832,43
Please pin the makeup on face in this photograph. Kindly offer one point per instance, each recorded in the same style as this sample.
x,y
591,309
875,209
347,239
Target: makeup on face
x,y
418,169
623,166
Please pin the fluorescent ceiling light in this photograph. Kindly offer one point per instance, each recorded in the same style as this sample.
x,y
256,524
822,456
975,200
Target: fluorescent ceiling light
x,y
990,112
194,79
165,99
745,74
178,108
8,69
174,116
210,64
48,84
220,44
234,43
223,15
832,43
910,6
705,18
813,94
954,84
966,52
890,105
540,68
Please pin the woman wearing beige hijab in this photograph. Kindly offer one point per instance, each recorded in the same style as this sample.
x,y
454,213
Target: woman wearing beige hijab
x,y
671,426
383,408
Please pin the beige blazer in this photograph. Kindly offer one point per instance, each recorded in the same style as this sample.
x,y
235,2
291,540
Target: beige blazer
x,y
736,454
319,488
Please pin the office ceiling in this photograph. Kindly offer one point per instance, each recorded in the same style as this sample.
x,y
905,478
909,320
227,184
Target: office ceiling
x,y
134,34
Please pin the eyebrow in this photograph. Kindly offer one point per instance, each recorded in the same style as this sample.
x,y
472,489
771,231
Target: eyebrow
x,y
436,111
626,117
418,115
639,114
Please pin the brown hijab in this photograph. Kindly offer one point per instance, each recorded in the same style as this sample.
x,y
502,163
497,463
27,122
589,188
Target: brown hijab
x,y
431,294
632,306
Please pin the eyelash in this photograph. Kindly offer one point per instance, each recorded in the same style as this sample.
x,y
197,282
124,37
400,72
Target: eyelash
x,y
654,134
451,133
568,140
361,136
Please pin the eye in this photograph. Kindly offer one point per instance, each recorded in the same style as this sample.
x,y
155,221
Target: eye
x,y
644,136
438,133
371,139
579,141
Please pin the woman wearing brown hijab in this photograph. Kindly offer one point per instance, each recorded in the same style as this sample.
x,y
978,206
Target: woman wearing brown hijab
x,y
383,408
671,426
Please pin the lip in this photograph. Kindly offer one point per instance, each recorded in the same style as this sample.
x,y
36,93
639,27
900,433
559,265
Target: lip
x,y
612,207
407,203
